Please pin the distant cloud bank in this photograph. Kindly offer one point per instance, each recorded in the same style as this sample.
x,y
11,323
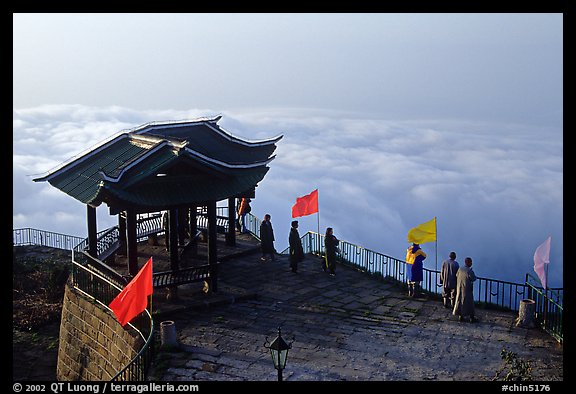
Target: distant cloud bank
x,y
496,188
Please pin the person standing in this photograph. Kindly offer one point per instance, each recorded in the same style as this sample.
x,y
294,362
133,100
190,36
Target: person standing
x,y
414,272
330,245
464,304
296,250
243,210
267,238
448,280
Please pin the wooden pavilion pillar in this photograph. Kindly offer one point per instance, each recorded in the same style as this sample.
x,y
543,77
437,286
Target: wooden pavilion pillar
x,y
231,235
122,234
92,231
182,225
193,228
173,235
131,242
212,249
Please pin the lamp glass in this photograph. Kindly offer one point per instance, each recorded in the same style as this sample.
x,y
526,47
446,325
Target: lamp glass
x,y
279,362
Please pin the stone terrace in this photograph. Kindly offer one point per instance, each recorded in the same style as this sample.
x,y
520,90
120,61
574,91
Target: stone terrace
x,y
348,327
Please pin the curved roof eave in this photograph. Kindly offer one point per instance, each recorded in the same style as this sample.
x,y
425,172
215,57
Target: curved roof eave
x,y
193,154
135,133
209,122
81,157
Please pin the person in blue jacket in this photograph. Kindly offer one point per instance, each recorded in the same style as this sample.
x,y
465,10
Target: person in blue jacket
x,y
414,271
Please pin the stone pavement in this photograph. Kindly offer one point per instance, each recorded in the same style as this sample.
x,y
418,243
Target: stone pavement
x,y
347,327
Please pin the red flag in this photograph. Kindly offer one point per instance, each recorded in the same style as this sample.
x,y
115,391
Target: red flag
x,y
134,298
306,205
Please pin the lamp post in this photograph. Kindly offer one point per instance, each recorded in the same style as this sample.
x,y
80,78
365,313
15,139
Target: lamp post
x,y
279,351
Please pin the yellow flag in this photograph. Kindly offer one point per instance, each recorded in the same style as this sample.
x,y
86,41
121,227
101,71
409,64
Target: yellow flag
x,y
425,232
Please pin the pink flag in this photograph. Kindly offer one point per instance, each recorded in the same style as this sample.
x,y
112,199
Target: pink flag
x,y
541,257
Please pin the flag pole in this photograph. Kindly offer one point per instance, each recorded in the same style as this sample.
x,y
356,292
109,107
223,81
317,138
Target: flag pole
x,y
546,296
318,213
318,217
546,289
152,269
436,243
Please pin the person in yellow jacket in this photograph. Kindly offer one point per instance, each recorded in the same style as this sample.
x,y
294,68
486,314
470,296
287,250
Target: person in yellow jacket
x,y
414,270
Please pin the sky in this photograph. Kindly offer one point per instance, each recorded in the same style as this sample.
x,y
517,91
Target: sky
x,y
395,118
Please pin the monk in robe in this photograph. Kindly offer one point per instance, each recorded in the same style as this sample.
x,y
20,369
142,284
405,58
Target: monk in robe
x,y
464,303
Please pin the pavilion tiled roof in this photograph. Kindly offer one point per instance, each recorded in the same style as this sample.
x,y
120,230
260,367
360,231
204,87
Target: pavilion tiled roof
x,y
164,164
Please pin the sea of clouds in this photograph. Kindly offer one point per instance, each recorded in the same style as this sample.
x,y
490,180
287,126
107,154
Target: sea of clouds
x,y
495,188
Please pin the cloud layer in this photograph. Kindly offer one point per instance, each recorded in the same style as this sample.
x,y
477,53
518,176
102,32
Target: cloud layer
x,y
496,188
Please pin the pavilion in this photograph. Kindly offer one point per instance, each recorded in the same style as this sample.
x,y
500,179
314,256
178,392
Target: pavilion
x,y
173,166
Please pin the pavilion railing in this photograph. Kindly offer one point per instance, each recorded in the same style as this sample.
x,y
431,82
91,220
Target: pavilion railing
x,y
252,222
487,292
107,240
181,276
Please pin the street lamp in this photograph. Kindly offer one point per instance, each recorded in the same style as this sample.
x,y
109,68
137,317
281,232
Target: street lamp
x,y
279,351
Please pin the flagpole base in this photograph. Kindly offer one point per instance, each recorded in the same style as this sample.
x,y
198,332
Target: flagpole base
x,y
168,338
526,314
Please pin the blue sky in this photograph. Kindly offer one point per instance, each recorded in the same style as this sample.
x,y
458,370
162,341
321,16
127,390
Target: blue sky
x,y
396,118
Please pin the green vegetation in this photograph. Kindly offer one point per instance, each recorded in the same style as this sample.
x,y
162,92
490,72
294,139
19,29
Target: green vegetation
x,y
38,280
53,344
518,370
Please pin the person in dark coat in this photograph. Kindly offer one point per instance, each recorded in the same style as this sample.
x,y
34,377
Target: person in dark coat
x,y
448,280
464,305
267,238
296,250
414,258
331,245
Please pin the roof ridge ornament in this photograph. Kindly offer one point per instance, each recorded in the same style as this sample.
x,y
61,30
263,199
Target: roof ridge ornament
x,y
215,119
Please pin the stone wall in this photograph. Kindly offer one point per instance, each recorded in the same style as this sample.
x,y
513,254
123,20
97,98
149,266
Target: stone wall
x,y
93,345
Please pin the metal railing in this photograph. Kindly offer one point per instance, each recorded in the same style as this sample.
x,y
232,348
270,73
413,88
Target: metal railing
x,y
253,225
107,241
487,292
181,276
99,282
548,307
252,222
31,236
221,223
